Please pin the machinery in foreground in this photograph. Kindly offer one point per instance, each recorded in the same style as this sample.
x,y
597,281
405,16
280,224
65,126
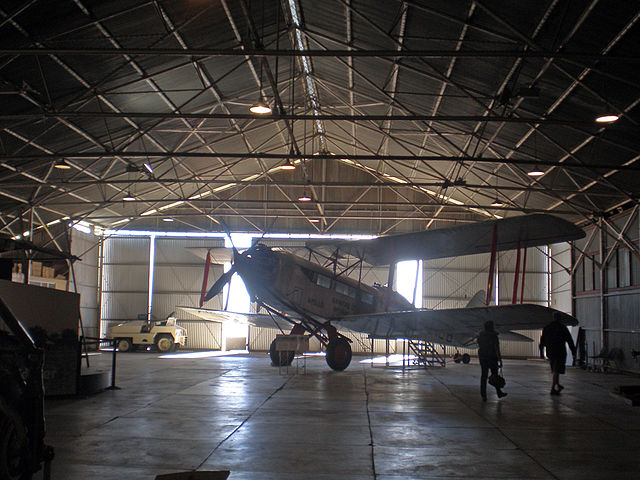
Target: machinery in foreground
x,y
22,427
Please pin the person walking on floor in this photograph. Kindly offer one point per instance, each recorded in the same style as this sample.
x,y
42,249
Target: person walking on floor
x,y
490,358
554,337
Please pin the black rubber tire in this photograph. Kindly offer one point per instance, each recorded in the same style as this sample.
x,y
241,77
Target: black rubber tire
x,y
13,449
125,345
338,354
280,359
162,345
466,358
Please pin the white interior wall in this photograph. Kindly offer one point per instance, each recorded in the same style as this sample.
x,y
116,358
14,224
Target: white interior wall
x,y
561,277
86,247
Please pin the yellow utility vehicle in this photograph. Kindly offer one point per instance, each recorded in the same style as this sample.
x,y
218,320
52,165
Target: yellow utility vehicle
x,y
164,335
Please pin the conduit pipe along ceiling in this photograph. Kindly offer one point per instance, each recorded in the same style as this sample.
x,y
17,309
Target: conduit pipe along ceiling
x,y
413,128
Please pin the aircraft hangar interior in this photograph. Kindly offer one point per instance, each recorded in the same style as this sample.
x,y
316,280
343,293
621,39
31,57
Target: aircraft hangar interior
x,y
256,239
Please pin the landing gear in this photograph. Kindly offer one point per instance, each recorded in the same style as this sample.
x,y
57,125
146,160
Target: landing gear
x,y
338,354
280,359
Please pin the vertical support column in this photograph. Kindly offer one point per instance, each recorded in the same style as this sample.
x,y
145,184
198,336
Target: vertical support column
x,y
524,269
152,262
492,263
603,278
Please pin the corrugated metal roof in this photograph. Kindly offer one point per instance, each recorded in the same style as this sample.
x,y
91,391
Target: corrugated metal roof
x,y
129,83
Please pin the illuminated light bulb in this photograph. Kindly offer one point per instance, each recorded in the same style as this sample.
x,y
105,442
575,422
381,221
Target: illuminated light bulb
x,y
288,165
535,172
260,108
62,166
607,118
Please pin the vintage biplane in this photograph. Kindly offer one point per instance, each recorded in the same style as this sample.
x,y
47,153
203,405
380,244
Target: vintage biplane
x,y
314,299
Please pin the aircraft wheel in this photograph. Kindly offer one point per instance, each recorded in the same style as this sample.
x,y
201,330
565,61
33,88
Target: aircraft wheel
x,y
280,359
164,344
13,448
338,354
466,358
124,345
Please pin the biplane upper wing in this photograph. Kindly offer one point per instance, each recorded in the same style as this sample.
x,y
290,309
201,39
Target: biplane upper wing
x,y
256,319
456,326
525,230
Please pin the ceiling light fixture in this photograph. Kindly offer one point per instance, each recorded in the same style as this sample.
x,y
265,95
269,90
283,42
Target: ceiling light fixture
x,y
61,165
607,118
128,197
497,203
288,165
148,167
535,172
260,107
314,220
168,219
304,197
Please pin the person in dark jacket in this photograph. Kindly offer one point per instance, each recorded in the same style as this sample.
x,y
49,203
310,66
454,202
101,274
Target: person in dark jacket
x,y
554,337
490,358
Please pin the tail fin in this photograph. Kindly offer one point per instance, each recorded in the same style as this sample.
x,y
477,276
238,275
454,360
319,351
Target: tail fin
x,y
477,300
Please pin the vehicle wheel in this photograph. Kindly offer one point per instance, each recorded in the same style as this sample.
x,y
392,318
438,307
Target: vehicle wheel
x,y
13,449
280,359
125,345
338,354
164,344
466,358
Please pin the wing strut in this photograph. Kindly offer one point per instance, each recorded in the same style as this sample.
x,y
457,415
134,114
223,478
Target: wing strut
x,y
516,277
205,278
524,269
494,248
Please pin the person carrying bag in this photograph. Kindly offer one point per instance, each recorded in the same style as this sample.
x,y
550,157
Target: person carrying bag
x,y
490,360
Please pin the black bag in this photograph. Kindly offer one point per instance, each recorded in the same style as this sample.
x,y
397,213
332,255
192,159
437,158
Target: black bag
x,y
497,381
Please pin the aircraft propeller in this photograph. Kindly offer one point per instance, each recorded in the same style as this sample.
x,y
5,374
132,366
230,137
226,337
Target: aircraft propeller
x,y
219,284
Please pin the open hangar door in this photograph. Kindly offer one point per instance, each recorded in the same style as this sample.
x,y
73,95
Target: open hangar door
x,y
606,282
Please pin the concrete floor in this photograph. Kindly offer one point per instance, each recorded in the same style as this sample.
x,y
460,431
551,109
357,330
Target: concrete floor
x,y
237,413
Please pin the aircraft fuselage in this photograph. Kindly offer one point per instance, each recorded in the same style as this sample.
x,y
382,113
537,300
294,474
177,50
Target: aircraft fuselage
x,y
291,284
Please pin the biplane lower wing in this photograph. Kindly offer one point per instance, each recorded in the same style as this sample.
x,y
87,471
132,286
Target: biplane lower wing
x,y
221,316
457,326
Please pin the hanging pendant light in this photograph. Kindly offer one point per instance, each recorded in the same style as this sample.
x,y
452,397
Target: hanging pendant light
x,y
288,166
260,107
497,203
304,197
535,172
129,197
62,165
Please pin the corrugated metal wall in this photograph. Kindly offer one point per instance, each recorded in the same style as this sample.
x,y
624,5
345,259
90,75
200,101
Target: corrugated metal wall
x,y
447,283
178,270
125,279
609,311
177,281
86,246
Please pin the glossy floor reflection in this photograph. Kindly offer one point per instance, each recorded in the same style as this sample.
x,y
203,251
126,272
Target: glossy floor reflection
x,y
238,413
